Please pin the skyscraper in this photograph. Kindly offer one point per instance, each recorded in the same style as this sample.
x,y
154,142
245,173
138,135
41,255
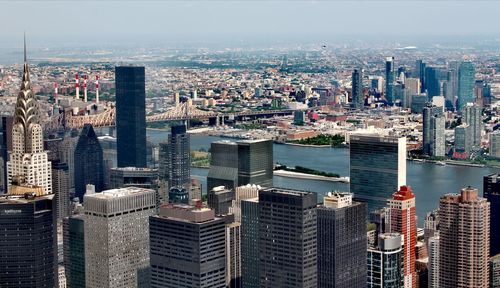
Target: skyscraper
x,y
5,146
250,243
220,200
377,167
28,240
89,165
389,80
117,238
420,74
341,242
239,163
60,185
495,271
495,144
180,157
412,87
358,99
491,191
27,214
434,142
384,263
224,167
233,255
432,83
28,160
295,212
74,252
433,262
472,115
463,139
130,116
466,81
187,248
402,220
255,162
464,242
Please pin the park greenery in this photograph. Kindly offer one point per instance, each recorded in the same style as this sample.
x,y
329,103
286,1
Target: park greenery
x,y
323,139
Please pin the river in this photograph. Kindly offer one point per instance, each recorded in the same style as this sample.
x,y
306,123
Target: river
x,y
429,181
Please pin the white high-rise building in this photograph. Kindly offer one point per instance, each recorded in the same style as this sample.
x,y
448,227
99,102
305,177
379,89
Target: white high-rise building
x,y
117,237
28,163
434,262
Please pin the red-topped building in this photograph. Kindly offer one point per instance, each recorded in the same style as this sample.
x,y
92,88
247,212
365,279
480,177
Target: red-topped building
x,y
402,219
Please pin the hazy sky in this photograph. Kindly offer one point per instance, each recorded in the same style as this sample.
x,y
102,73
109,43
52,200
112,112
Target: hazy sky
x,y
136,21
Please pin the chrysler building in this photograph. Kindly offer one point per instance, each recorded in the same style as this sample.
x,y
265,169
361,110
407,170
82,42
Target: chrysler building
x,y
28,165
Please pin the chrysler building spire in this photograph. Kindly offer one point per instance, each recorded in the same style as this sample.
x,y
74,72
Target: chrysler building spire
x,y
28,163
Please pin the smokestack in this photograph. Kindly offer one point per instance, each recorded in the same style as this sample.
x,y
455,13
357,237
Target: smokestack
x,y
97,89
56,96
77,87
176,98
85,88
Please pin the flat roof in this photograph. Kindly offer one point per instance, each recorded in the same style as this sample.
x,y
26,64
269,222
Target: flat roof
x,y
119,192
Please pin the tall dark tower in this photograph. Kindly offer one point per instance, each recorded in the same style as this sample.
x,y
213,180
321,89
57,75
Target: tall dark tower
x,y
130,116
27,214
341,242
389,80
358,101
89,165
179,154
287,230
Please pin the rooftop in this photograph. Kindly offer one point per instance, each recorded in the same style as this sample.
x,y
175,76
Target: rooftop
x,y
119,192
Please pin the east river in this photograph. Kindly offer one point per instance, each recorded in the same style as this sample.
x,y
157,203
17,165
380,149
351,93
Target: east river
x,y
429,181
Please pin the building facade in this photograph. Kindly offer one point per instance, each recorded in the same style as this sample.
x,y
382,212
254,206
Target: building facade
x,y
187,248
434,142
74,251
239,163
220,199
341,242
88,161
117,238
472,115
28,242
464,242
466,82
491,192
384,262
377,167
60,186
402,220
287,259
389,80
130,116
224,167
250,243
358,99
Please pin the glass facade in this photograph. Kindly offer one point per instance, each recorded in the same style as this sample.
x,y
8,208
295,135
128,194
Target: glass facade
x,y
130,116
88,161
341,245
250,243
466,82
377,168
27,242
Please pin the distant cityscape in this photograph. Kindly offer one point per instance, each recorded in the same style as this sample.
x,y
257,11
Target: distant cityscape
x,y
300,167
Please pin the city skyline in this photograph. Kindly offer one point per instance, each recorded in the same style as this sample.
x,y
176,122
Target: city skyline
x,y
187,208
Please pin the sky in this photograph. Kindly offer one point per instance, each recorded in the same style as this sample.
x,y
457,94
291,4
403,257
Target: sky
x,y
134,22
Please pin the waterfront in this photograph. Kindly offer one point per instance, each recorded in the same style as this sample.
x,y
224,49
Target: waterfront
x,y
429,181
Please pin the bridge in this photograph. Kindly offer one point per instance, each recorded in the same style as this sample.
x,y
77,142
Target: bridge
x,y
183,111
